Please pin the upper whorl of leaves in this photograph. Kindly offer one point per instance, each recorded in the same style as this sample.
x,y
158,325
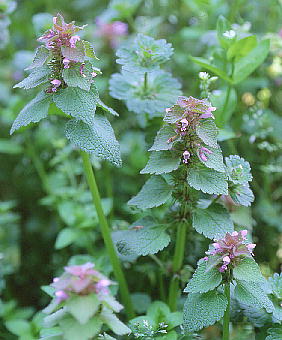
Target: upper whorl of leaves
x,y
63,63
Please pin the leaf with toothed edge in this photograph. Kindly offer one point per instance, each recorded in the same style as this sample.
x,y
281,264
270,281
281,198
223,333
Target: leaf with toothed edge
x,y
161,140
73,77
99,138
33,112
207,132
41,55
214,159
248,270
36,77
161,162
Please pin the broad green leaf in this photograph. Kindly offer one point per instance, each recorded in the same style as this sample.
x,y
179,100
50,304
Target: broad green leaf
x,y
203,280
251,293
33,112
207,180
98,139
258,317
207,132
82,308
174,114
147,238
74,78
77,103
222,26
36,77
161,162
274,333
18,326
65,238
242,195
213,222
214,160
110,302
75,331
206,64
113,322
41,55
276,285
52,320
203,310
154,193
238,170
75,54
248,270
89,49
106,108
223,113
241,47
246,65
161,140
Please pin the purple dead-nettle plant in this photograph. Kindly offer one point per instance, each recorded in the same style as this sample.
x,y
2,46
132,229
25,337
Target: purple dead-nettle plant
x,y
82,303
63,69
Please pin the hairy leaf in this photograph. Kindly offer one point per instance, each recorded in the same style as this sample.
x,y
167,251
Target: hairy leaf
x,y
75,54
161,162
41,55
207,132
238,170
203,310
82,308
242,194
274,333
161,141
155,192
36,77
89,49
213,222
248,270
33,112
74,78
99,138
106,108
214,160
113,322
75,331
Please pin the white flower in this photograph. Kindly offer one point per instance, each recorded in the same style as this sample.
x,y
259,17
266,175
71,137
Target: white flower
x,y
229,34
204,75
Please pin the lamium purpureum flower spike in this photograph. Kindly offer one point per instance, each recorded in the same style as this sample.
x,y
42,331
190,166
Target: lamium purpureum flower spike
x,y
230,250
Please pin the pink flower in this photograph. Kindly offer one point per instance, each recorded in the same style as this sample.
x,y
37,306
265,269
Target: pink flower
x,y
102,286
56,83
111,31
82,270
61,296
203,152
184,124
93,74
186,156
66,63
73,40
81,70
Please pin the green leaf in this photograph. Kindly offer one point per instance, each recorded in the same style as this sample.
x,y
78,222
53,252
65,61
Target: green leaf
x,y
77,103
207,132
154,193
75,54
241,47
52,319
203,310
242,195
36,77
248,270
205,64
82,308
213,222
106,108
251,293
203,280
222,26
222,113
17,326
10,147
238,170
89,49
207,180
98,139
161,162
74,78
75,331
214,160
113,322
246,65
274,333
174,114
65,237
162,91
161,140
33,112
41,55
149,238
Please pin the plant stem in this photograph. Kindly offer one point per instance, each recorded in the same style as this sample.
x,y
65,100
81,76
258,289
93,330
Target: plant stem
x,y
125,297
226,317
145,82
177,264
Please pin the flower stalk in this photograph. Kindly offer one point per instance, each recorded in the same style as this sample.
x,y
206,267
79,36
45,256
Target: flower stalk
x,y
226,317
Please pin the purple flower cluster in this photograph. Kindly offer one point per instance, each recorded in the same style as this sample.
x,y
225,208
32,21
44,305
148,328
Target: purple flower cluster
x,y
111,32
229,250
80,280
189,112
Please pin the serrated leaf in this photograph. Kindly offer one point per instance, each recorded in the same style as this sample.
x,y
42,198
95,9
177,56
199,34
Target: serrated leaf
x,y
203,310
242,194
77,103
36,77
53,319
65,238
173,114
113,322
74,331
154,193
82,308
106,108
251,293
41,55
214,160
98,139
203,280
149,238
256,316
74,78
238,170
75,54
248,270
213,222
89,49
246,65
207,180
161,140
207,132
161,162
274,333
33,112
